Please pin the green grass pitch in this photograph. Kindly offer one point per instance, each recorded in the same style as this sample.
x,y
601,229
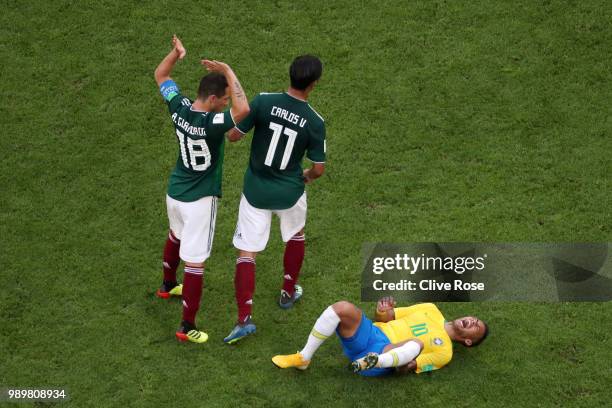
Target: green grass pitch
x,y
446,121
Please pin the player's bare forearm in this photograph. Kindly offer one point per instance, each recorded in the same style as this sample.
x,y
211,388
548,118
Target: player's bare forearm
x,y
240,105
164,69
314,172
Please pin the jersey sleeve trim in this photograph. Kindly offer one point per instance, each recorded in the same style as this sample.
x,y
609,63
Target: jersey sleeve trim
x,y
232,116
314,161
242,131
238,129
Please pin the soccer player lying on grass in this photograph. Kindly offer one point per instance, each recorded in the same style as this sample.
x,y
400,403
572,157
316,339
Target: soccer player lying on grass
x,y
405,339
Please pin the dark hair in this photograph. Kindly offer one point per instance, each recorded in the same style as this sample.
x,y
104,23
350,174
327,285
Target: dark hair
x,y
304,70
212,84
484,336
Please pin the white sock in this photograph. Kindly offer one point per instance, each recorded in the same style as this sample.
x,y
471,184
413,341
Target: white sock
x,y
324,327
399,356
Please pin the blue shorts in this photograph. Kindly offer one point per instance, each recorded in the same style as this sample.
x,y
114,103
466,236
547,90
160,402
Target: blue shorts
x,y
368,338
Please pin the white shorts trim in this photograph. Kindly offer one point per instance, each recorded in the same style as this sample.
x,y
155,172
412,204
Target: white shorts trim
x,y
194,224
253,227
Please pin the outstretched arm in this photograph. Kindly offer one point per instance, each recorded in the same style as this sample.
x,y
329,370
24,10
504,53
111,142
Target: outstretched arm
x,y
240,105
163,70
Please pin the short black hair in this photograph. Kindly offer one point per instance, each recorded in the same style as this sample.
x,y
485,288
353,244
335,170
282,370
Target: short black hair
x,y
484,336
212,84
304,70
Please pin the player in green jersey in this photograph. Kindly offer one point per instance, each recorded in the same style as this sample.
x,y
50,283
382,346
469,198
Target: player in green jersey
x,y
195,182
286,129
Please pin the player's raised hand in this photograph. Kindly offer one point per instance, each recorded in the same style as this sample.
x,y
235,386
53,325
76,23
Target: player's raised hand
x,y
178,47
385,304
215,66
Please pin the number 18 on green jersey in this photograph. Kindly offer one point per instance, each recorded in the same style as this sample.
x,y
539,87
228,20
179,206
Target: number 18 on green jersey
x,y
200,137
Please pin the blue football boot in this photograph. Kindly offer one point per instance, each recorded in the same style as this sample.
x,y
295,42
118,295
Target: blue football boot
x,y
240,331
285,301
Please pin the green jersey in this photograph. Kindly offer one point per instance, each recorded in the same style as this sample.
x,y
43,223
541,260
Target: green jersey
x,y
201,141
285,129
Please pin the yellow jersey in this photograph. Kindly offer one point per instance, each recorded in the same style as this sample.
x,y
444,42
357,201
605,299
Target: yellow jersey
x,y
426,323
